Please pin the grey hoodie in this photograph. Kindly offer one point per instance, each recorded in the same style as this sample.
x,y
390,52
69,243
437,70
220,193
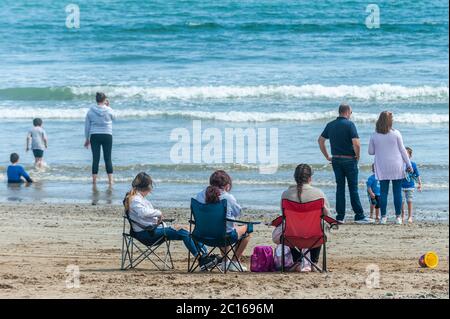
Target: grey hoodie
x,y
98,121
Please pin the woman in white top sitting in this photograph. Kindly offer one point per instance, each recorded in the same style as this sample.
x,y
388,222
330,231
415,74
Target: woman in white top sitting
x,y
142,214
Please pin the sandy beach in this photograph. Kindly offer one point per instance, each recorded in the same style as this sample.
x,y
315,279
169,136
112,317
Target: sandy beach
x,y
38,242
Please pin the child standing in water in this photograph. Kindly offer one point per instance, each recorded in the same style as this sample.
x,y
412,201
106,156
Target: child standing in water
x,y
16,173
409,186
373,190
38,140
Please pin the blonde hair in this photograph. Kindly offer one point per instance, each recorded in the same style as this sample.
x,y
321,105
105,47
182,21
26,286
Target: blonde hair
x,y
141,183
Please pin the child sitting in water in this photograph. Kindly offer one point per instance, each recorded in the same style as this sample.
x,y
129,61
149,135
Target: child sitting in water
x,y
16,173
373,190
38,140
408,187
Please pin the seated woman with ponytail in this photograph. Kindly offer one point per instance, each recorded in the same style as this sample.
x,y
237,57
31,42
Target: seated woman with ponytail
x,y
219,187
141,211
304,192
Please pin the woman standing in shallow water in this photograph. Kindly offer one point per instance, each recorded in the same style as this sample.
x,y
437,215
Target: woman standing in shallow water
x,y
98,133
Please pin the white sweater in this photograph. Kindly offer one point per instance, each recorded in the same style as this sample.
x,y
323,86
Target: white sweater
x,y
142,211
390,155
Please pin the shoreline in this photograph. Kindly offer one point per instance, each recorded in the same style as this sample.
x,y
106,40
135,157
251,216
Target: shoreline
x,y
260,214
39,242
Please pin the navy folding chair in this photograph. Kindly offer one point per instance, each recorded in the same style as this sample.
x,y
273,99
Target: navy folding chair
x,y
134,252
208,226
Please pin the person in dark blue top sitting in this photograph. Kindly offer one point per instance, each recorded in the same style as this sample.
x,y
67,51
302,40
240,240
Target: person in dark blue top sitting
x,y
16,173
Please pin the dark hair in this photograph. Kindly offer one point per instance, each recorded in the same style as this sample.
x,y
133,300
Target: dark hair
x,y
217,182
14,158
100,97
384,122
409,150
37,122
141,183
344,108
303,173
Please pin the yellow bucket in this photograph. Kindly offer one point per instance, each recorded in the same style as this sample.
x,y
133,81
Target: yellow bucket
x,y
429,260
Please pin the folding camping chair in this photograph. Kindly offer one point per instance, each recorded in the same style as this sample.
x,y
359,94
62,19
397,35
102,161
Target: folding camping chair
x,y
208,226
144,252
303,228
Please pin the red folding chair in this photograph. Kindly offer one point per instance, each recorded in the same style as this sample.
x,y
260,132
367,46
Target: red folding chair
x,y
303,227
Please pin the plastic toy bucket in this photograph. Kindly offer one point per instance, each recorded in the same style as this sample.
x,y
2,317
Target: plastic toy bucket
x,y
429,260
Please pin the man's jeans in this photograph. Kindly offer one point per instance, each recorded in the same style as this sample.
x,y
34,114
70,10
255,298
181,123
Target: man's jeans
x,y
347,168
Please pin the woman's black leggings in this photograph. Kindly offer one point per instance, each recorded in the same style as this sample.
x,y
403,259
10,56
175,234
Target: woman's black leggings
x,y
101,141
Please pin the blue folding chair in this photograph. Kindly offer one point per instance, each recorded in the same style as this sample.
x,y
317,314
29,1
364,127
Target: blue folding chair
x,y
208,226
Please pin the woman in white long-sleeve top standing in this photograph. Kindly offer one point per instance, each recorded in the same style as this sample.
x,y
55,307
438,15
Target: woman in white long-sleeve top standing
x,y
98,133
391,159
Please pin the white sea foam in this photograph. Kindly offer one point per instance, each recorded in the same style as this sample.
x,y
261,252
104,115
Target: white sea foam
x,y
190,181
232,116
380,92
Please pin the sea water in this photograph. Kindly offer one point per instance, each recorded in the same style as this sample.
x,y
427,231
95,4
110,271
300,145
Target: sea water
x,y
282,65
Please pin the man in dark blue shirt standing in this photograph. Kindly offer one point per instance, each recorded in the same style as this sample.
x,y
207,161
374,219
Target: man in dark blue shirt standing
x,y
345,151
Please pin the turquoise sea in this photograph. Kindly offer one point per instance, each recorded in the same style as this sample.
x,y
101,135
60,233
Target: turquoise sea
x,y
284,65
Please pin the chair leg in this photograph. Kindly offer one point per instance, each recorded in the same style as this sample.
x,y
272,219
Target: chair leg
x,y
234,249
193,266
324,258
122,264
131,252
226,259
145,254
127,256
129,261
168,257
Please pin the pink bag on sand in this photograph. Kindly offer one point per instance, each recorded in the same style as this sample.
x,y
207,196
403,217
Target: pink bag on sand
x,y
262,259
288,260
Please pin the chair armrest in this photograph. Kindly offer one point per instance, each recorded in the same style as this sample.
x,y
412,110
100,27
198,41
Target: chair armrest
x,y
146,228
276,222
169,220
242,222
249,224
150,228
331,221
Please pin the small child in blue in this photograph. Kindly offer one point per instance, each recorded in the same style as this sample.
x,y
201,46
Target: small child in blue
x,y
15,172
373,190
409,186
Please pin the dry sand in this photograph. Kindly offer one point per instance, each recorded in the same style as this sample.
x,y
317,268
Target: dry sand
x,y
38,242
